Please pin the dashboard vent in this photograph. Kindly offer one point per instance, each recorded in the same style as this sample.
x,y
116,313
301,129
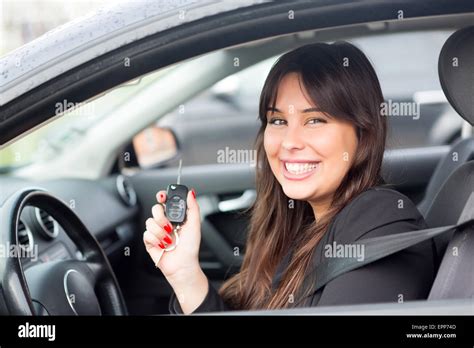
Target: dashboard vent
x,y
25,237
126,191
48,226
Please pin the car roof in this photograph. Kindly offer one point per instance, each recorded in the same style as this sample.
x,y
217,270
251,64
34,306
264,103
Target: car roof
x,y
95,34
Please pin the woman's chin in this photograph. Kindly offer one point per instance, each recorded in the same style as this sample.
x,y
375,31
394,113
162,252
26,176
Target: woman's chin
x,y
297,193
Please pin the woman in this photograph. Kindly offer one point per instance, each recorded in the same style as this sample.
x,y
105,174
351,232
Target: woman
x,y
319,151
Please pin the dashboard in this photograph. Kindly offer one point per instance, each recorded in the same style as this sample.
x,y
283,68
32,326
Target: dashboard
x,y
107,207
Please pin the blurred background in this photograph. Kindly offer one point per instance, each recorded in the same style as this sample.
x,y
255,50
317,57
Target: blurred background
x,y
22,21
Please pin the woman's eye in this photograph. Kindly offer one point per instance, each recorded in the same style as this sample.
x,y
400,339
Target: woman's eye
x,y
276,121
316,121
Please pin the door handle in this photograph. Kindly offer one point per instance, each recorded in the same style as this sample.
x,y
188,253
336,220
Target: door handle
x,y
243,202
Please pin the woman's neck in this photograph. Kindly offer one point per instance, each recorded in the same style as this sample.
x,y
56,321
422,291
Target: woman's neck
x,y
320,207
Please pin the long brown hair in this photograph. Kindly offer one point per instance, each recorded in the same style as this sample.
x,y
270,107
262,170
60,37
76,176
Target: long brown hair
x,y
340,80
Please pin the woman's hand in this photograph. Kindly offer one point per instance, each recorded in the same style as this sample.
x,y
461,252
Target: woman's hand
x,y
180,266
183,261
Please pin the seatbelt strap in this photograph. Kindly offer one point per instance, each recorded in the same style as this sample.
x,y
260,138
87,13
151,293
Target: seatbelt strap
x,y
380,247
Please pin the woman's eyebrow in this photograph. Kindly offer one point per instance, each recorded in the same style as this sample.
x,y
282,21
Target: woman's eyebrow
x,y
305,111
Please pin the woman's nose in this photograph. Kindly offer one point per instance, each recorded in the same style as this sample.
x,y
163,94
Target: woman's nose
x,y
293,138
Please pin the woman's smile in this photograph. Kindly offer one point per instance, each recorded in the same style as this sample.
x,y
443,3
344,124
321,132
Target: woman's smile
x,y
299,170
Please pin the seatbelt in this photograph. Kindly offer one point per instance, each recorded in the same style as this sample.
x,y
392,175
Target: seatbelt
x,y
455,278
380,247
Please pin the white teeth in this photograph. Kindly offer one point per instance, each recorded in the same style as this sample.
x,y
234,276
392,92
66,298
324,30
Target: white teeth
x,y
300,168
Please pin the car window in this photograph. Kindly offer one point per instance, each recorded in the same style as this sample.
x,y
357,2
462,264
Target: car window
x,y
406,64
68,128
224,118
407,67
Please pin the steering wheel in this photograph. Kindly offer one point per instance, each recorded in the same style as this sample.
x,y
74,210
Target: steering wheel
x,y
65,287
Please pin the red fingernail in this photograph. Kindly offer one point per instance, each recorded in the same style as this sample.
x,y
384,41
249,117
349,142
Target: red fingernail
x,y
168,228
194,193
161,245
161,196
168,240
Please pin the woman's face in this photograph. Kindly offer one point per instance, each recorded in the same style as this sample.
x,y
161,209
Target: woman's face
x,y
308,152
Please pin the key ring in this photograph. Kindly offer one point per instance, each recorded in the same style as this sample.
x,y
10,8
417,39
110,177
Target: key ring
x,y
172,246
176,239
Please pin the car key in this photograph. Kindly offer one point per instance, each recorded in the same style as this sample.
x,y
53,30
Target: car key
x,y
175,206
175,209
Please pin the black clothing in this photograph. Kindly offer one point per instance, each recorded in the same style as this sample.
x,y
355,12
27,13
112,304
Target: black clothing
x,y
403,276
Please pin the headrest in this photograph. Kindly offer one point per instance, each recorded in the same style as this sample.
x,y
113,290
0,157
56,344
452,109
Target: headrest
x,y
456,72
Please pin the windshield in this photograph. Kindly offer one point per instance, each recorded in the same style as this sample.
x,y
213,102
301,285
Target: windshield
x,y
67,128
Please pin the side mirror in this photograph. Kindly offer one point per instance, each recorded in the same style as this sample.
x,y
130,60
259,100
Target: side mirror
x,y
154,146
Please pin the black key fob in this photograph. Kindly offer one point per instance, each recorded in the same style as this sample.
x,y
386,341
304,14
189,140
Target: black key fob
x,y
176,203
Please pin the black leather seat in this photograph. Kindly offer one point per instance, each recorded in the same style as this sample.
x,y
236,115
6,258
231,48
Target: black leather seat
x,y
449,203
456,179
462,151
455,69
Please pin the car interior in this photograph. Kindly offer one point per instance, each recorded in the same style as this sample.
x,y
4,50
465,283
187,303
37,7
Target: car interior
x,y
91,186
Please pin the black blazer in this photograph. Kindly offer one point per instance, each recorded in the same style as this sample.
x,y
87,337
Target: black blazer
x,y
404,276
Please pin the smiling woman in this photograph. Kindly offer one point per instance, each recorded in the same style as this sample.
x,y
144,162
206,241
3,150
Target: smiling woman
x,y
324,139
318,180
332,144
339,128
